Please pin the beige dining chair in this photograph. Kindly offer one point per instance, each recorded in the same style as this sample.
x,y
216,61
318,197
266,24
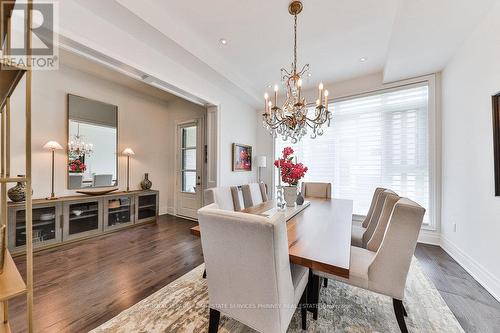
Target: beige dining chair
x,y
237,194
222,196
316,190
249,275
360,235
385,270
254,194
75,181
103,180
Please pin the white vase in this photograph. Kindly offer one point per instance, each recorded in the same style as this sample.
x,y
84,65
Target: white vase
x,y
290,195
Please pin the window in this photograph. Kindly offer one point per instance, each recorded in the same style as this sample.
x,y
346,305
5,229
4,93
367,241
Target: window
x,y
188,151
376,140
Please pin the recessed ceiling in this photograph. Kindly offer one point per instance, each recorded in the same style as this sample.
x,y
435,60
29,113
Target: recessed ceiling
x,y
402,38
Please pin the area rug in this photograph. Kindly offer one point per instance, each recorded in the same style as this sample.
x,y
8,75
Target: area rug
x,y
181,306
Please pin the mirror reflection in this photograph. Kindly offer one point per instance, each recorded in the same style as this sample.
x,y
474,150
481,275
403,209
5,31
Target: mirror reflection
x,y
92,143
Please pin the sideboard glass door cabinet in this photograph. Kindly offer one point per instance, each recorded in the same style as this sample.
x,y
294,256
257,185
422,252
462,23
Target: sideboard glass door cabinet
x,y
46,226
82,218
146,207
118,212
77,217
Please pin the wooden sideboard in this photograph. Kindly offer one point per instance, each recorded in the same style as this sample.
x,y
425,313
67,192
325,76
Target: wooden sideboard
x,y
56,222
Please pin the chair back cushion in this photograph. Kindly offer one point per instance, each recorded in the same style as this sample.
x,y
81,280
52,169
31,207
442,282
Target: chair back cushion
x,y
317,190
377,212
252,194
378,234
221,196
388,271
377,192
247,263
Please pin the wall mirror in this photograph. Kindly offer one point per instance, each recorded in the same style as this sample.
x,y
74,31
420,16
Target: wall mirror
x,y
92,143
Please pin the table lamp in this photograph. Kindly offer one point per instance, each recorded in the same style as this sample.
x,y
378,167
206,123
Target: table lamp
x,y
52,146
128,152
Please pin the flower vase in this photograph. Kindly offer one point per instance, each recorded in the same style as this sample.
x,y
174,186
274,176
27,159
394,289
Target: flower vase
x,y
300,199
18,192
146,183
290,195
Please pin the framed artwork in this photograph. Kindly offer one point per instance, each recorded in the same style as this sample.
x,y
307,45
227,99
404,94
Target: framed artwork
x,y
242,157
496,140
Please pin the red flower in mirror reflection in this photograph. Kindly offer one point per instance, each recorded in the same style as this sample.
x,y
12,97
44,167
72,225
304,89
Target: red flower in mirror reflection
x,y
77,166
291,172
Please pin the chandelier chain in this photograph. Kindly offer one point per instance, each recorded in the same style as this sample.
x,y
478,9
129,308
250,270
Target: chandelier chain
x,y
295,46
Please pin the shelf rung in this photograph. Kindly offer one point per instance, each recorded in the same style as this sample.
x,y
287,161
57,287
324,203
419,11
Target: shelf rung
x,y
13,180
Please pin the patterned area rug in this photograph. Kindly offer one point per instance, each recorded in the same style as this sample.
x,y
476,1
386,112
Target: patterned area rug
x,y
182,307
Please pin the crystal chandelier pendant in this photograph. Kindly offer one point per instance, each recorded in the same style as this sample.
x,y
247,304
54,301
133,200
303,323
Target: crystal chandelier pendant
x,y
77,147
292,120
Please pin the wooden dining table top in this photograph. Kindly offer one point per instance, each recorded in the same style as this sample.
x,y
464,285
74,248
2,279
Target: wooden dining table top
x,y
319,236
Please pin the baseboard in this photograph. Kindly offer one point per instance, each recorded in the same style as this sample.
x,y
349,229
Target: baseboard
x,y
429,237
478,272
170,211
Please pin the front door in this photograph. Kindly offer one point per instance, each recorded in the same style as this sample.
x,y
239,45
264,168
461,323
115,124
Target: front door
x,y
189,168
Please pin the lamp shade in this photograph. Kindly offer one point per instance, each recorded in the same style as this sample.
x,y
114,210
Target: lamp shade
x,y
128,152
261,161
52,145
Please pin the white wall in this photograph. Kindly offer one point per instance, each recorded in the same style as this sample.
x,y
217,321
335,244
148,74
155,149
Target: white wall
x,y
468,82
144,123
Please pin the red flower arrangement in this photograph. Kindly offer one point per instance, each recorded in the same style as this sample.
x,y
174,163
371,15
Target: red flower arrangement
x,y
77,166
291,172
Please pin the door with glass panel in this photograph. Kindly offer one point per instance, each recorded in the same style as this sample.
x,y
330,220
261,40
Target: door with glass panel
x,y
189,165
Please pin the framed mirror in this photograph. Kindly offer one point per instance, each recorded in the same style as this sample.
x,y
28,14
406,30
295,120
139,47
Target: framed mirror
x,y
92,143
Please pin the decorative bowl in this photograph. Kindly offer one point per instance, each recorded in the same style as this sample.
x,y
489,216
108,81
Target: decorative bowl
x,y
77,212
47,217
100,191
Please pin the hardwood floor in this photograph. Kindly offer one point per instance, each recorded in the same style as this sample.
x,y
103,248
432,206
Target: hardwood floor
x,y
474,307
82,285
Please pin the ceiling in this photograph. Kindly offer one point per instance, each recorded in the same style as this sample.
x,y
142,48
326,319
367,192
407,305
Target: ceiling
x,y
93,68
401,38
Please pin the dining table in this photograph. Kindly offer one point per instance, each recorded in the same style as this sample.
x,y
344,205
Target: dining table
x,y
319,236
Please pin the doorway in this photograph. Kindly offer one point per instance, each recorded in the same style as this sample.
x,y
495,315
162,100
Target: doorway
x,y
190,168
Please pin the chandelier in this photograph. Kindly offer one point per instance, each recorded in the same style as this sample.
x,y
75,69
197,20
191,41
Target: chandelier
x,y
292,120
78,147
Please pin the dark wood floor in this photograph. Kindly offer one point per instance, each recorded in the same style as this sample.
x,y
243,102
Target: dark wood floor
x,y
474,307
82,285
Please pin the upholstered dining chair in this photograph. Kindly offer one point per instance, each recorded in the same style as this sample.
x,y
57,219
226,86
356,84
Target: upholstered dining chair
x,y
254,194
316,190
222,196
360,235
238,201
249,274
385,270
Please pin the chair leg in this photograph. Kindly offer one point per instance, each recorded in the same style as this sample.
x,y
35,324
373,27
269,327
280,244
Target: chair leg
x,y
303,309
205,274
325,282
313,294
399,310
213,325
